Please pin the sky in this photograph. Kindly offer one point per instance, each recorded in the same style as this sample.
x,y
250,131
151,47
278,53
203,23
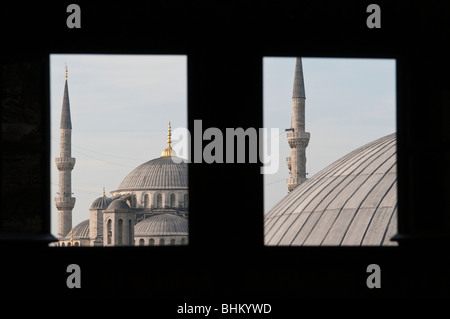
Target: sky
x,y
121,106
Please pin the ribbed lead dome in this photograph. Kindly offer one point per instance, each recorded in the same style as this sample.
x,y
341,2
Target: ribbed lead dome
x,y
160,173
79,231
101,203
351,202
162,224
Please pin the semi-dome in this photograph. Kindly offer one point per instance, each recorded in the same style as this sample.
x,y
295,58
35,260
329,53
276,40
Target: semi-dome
x,y
167,172
161,225
101,203
351,202
79,231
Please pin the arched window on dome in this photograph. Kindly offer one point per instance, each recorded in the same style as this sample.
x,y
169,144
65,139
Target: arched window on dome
x,y
76,244
146,201
172,200
151,242
141,242
161,242
109,231
186,200
63,245
172,242
183,241
158,201
120,232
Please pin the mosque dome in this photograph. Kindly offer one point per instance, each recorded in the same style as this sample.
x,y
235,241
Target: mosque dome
x,y
351,202
79,231
101,202
162,225
119,205
166,172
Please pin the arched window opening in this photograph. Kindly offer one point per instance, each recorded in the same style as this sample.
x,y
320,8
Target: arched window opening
x,y
183,241
161,242
159,201
141,242
151,242
186,200
109,232
172,241
146,201
172,200
130,232
120,232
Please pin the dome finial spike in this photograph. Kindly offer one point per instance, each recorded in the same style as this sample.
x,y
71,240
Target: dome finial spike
x,y
169,135
103,195
66,70
169,151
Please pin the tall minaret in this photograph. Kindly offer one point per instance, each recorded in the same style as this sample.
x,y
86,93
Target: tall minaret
x,y
297,137
65,163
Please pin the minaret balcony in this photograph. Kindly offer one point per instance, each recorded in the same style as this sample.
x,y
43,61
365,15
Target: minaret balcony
x,y
298,139
65,163
63,203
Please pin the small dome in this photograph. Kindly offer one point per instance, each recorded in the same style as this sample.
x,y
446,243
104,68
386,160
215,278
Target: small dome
x,y
118,204
351,202
79,231
168,172
101,203
162,224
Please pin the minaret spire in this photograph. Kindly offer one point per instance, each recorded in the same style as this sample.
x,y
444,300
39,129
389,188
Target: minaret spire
x,y
65,163
298,139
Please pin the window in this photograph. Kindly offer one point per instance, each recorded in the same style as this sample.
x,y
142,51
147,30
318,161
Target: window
x,y
119,234
172,241
130,231
141,242
161,242
172,200
109,231
146,203
324,109
186,201
158,201
101,148
151,242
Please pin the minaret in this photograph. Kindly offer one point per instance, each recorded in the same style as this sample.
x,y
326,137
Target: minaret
x,y
65,163
297,137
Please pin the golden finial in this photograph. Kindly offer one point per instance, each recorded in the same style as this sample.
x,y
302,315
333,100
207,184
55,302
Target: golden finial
x,y
66,71
169,151
71,237
103,195
169,135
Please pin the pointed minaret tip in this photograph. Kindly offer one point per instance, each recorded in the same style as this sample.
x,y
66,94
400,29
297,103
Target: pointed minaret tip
x,y
299,84
66,122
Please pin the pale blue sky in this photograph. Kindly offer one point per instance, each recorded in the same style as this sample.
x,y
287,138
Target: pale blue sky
x,y
121,105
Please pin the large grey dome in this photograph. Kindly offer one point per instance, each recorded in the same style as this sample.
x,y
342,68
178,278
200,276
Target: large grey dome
x,y
351,202
162,224
79,231
160,173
